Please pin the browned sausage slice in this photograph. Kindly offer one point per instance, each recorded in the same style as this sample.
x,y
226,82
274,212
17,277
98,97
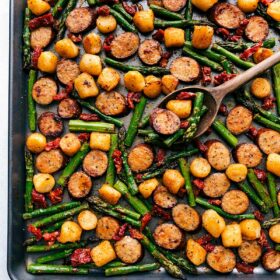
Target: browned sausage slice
x,y
163,198
111,103
150,51
41,37
50,124
107,228
239,120
186,217
128,250
185,69
164,121
69,108
168,236
269,141
271,260
67,71
217,154
125,45
216,185
221,259
248,154
95,163
79,185
44,90
174,5
257,29
227,15
50,162
140,157
79,20
250,251
235,202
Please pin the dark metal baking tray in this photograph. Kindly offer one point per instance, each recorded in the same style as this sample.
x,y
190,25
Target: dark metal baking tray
x,y
17,258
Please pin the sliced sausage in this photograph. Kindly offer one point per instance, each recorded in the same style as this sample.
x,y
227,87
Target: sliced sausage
x,y
186,217
239,120
150,51
217,154
163,198
44,90
140,157
95,163
125,45
41,37
50,124
185,69
248,154
111,103
168,236
269,141
250,251
235,202
227,15
69,108
164,121
271,260
221,259
67,71
216,185
50,162
79,20
107,228
79,185
174,5
257,29
128,250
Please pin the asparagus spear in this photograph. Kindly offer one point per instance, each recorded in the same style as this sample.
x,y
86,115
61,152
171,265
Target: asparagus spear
x,y
207,205
96,200
203,59
111,171
26,40
144,121
32,119
259,187
56,246
276,83
273,193
91,2
185,170
162,12
55,269
126,25
61,23
131,269
50,210
225,133
73,164
60,216
145,132
136,117
54,256
232,57
180,23
109,265
188,16
241,45
267,122
145,70
28,181
277,247
119,8
93,109
271,222
78,125
58,7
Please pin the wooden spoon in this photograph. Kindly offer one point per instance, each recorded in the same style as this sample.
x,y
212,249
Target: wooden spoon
x,y
214,96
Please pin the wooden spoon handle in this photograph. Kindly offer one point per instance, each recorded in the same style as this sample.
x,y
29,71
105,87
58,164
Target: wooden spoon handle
x,y
221,91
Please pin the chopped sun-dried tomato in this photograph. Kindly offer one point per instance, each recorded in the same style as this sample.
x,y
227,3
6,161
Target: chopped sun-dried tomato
x,y
223,110
80,256
198,183
204,239
38,199
107,43
51,237
244,268
117,158
216,202
52,144
103,11
108,2
42,21
268,102
164,59
250,51
266,2
222,78
145,220
240,30
65,92
263,240
160,156
184,124
131,98
35,231
131,9
206,75
89,117
134,233
185,95
35,56
223,32
258,215
261,174
83,137
252,132
76,38
55,196
208,247
121,232
182,192
158,35
139,177
202,147
158,211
